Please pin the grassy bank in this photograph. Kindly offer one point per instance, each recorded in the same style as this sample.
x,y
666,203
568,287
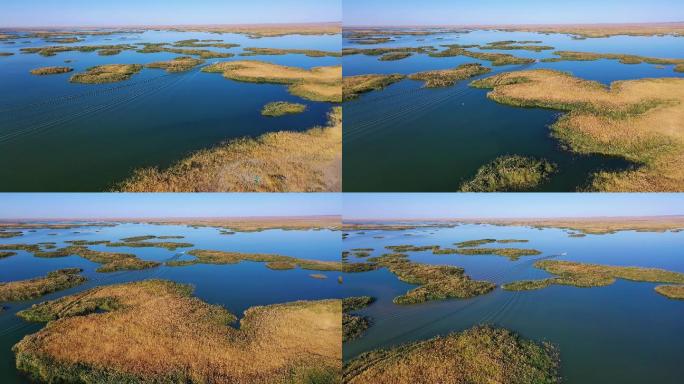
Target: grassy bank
x,y
449,77
513,173
317,84
282,108
33,288
109,73
597,275
353,86
478,355
435,282
275,162
638,120
155,331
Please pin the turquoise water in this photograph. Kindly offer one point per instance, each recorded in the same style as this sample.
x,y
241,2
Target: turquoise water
x,y
406,138
59,136
236,287
624,332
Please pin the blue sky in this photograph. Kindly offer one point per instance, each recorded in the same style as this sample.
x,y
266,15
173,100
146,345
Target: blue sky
x,y
23,13
118,205
508,205
454,12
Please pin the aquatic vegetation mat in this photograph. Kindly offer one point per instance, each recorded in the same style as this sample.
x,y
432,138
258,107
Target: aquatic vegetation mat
x,y
109,73
479,355
50,70
283,161
449,77
251,51
273,261
624,59
110,261
435,282
638,120
178,64
353,86
510,174
155,331
30,289
353,326
317,84
282,108
596,275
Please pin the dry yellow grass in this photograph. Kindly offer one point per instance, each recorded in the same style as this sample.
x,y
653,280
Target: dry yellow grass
x,y
597,275
33,288
308,161
595,225
352,86
671,291
51,70
155,331
274,261
601,30
480,355
267,30
639,120
255,224
317,84
178,64
109,73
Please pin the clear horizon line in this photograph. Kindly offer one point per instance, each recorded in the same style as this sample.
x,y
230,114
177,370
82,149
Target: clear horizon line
x,y
10,219
511,24
511,218
146,26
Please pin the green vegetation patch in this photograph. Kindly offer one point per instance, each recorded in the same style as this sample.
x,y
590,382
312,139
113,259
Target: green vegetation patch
x,y
110,261
497,59
51,70
318,276
282,108
393,56
475,243
55,49
9,234
4,254
510,174
109,73
517,45
624,59
411,248
449,77
195,43
480,354
385,51
275,261
353,86
671,291
277,51
33,288
6,54
435,282
202,53
353,326
596,275
511,253
155,331
178,64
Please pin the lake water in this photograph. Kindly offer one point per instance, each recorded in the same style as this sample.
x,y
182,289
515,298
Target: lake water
x,y
60,136
236,287
406,138
622,333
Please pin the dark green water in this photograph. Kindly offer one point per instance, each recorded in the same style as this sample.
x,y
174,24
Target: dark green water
x,y
622,333
236,287
59,136
410,139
